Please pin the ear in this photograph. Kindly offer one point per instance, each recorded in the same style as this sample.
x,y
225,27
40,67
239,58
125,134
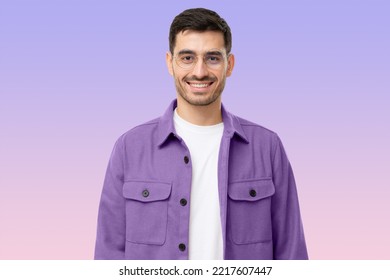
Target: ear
x,y
230,65
168,60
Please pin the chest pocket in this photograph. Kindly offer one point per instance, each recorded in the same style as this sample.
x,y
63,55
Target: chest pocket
x,y
146,211
249,208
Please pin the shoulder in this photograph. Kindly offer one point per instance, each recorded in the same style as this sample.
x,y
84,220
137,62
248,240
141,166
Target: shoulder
x,y
255,129
141,132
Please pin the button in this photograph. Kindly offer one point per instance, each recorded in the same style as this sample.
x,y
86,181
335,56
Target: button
x,y
186,160
183,202
182,247
252,193
145,193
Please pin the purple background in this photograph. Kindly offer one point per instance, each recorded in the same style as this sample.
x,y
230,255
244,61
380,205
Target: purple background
x,y
74,75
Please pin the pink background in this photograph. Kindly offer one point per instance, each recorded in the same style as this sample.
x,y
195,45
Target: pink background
x,y
74,75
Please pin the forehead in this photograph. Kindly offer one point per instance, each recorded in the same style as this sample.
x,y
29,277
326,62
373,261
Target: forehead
x,y
199,41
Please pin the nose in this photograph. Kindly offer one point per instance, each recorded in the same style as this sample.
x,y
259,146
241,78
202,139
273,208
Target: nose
x,y
200,69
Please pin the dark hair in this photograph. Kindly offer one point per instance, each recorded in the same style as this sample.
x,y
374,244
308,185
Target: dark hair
x,y
199,19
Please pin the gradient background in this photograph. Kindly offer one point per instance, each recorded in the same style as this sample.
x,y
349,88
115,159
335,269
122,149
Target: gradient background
x,y
75,75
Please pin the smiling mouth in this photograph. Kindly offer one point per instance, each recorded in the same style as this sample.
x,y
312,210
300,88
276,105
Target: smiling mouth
x,y
200,85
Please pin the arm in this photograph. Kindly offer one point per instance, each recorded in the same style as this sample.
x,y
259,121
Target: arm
x,y
110,239
287,230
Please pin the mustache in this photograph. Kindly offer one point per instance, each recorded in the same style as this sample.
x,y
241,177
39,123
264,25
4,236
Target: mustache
x,y
204,79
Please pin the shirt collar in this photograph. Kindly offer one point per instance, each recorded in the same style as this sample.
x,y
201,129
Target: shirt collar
x,y
166,128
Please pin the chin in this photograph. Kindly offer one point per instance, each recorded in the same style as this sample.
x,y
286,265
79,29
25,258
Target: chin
x,y
197,100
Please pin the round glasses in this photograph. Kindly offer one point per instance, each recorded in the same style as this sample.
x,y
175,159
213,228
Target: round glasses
x,y
187,59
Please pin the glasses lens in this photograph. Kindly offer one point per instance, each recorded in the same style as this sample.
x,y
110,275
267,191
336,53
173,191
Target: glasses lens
x,y
186,61
214,61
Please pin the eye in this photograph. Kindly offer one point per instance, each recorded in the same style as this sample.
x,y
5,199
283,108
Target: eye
x,y
187,59
213,59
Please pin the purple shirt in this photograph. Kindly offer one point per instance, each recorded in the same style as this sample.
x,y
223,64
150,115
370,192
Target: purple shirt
x,y
144,209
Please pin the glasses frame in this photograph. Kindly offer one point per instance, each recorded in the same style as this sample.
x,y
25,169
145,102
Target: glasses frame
x,y
211,52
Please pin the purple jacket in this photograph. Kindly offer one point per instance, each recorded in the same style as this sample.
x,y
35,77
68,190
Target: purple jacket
x,y
149,172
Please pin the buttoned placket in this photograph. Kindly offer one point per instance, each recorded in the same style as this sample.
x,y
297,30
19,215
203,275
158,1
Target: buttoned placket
x,y
185,191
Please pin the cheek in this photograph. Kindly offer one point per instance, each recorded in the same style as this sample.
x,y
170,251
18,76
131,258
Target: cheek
x,y
220,77
220,74
180,82
178,75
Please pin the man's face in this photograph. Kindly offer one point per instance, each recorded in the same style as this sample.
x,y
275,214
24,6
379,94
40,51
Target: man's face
x,y
202,82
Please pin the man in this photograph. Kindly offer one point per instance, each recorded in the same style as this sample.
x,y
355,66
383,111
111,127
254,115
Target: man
x,y
199,182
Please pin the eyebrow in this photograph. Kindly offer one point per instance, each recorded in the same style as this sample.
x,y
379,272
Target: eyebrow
x,y
187,51
214,53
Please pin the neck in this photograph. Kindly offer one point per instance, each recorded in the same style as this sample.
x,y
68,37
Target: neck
x,y
200,115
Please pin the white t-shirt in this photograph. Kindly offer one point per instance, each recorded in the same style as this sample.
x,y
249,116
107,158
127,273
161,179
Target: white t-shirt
x,y
205,240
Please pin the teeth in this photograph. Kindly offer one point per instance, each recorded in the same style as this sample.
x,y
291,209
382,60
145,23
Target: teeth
x,y
200,85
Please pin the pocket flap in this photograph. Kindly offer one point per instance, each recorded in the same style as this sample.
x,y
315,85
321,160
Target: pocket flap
x,y
251,190
146,191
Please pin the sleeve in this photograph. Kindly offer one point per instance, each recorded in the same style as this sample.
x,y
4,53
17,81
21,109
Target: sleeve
x,y
111,226
287,229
